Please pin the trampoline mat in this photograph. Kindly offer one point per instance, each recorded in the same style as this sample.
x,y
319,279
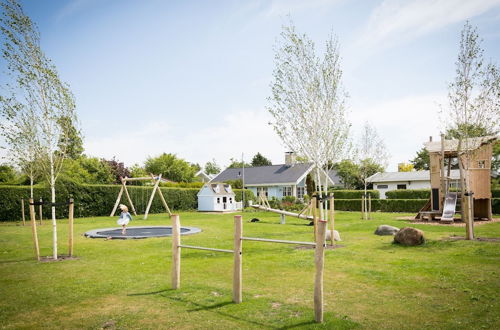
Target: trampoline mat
x,y
139,232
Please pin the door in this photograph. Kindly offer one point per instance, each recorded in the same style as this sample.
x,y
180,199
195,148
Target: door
x,y
224,202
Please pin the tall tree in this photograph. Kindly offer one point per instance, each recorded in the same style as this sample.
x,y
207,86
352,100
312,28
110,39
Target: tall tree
x,y
308,102
421,162
37,87
371,153
234,163
473,104
171,167
118,169
211,167
259,160
71,140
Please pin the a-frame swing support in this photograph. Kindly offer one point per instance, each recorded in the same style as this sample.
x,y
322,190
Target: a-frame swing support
x,y
156,189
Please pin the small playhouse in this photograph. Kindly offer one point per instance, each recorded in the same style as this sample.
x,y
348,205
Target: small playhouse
x,y
217,197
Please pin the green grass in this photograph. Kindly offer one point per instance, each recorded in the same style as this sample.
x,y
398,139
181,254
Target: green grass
x,y
369,283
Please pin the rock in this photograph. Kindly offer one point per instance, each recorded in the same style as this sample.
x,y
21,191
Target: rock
x,y
409,236
336,235
386,230
254,220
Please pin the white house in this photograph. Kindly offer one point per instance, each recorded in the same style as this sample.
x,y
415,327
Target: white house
x,y
278,181
204,177
218,197
388,181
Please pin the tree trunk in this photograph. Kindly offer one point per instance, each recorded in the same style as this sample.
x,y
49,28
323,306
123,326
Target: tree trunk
x,y
53,208
31,187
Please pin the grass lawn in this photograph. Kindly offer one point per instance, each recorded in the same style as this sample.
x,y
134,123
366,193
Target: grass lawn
x,y
369,283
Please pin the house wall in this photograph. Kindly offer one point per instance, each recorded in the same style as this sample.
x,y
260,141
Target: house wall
x,y
277,190
394,186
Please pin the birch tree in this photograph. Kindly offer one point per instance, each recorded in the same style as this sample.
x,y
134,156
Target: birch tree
x,y
473,102
37,87
308,103
371,150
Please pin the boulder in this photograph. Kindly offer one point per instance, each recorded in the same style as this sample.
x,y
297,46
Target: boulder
x,y
336,235
409,236
386,230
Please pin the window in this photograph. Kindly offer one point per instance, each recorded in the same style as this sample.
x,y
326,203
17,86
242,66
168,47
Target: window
x,y
300,192
230,199
382,186
401,186
481,164
263,190
287,191
218,200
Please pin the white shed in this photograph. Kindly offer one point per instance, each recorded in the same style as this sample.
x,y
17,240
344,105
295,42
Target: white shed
x,y
218,197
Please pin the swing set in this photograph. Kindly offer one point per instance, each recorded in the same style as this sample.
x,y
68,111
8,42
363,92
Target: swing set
x,y
156,189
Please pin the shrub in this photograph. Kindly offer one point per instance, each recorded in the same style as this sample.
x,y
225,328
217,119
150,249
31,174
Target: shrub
x,y
409,194
384,205
495,205
98,200
355,194
495,193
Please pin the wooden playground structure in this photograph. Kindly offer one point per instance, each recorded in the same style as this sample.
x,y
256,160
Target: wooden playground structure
x,y
237,251
473,157
156,189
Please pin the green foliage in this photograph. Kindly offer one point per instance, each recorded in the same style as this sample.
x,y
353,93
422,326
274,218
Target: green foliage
x,y
468,130
71,138
421,162
409,194
196,184
349,174
355,194
310,188
118,169
89,170
259,160
171,168
384,205
235,184
495,193
212,167
7,174
237,164
495,205
137,171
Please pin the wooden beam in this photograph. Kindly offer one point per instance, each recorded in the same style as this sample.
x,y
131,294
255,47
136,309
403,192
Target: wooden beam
x,y
291,214
70,231
176,252
332,219
117,202
276,241
237,262
22,211
319,261
33,230
162,197
40,210
205,248
152,197
128,196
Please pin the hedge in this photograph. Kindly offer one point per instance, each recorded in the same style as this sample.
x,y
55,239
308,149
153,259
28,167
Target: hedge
x,y
98,200
495,193
355,194
384,205
409,194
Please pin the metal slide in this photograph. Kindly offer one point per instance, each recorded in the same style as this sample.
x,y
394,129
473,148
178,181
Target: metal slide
x,y
450,204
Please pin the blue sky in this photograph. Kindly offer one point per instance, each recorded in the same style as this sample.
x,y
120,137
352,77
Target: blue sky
x,y
192,77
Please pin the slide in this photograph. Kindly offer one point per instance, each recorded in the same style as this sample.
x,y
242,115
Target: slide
x,y
450,204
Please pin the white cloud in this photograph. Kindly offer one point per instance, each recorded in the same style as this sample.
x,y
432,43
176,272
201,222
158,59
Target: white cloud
x,y
404,123
284,7
394,21
239,132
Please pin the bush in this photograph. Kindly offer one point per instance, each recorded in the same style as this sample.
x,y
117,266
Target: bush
x,y
495,205
409,194
384,205
98,200
355,194
495,193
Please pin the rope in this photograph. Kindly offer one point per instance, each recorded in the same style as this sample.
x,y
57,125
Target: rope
x,y
52,204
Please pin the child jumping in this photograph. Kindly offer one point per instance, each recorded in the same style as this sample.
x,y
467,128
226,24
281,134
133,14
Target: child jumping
x,y
124,219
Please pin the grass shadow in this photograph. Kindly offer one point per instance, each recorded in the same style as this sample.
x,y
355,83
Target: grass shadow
x,y
147,293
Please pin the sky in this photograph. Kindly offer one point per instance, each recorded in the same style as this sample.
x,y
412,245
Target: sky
x,y
192,77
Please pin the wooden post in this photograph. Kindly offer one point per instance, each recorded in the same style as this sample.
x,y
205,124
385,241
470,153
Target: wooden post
x,y
319,259
363,207
469,223
176,252
314,212
282,219
22,211
332,219
128,196
152,197
164,201
237,271
40,209
70,231
117,202
369,206
33,229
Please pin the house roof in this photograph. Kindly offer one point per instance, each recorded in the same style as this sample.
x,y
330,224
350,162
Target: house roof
x,y
217,189
452,145
272,174
407,176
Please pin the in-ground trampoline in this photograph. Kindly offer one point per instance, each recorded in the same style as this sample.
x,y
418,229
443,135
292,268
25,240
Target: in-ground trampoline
x,y
139,232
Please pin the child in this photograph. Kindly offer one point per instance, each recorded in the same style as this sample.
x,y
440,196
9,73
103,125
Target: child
x,y
125,217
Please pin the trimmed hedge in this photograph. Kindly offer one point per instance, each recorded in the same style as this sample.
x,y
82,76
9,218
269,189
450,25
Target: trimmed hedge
x,y
495,193
355,194
409,194
384,205
98,200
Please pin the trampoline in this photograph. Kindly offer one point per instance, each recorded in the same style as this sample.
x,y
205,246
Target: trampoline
x,y
139,232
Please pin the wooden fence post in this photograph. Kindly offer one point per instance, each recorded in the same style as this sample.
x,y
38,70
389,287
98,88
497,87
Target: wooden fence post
x,y
319,260
363,207
22,211
369,206
332,219
176,252
33,229
237,271
315,215
70,220
40,209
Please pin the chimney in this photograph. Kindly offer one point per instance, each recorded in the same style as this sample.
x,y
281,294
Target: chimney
x,y
290,158
430,138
